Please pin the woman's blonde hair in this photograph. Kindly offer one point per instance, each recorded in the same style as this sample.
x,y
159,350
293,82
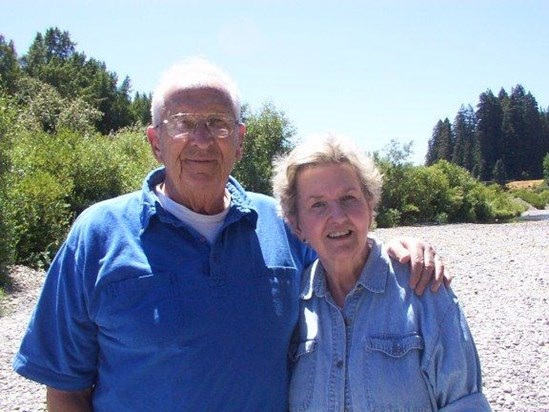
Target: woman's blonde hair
x,y
320,150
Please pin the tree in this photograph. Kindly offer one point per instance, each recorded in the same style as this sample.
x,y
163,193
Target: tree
x,y
46,110
441,144
397,153
140,108
53,59
465,151
499,174
9,67
489,117
546,169
47,57
268,135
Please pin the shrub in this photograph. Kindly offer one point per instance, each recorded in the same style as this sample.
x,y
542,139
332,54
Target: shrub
x,y
134,155
441,193
54,177
8,114
531,197
40,217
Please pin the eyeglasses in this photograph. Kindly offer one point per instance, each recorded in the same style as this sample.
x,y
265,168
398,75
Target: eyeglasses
x,y
181,125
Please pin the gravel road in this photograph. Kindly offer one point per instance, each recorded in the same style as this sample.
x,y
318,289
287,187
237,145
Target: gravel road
x,y
501,278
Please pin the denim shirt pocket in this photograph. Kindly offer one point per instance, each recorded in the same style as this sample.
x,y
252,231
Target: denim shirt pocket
x,y
303,364
392,372
395,346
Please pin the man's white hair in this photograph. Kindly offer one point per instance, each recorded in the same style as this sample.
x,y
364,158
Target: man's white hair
x,y
193,73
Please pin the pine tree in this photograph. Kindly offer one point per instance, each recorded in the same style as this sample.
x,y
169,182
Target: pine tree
x,y
489,117
9,67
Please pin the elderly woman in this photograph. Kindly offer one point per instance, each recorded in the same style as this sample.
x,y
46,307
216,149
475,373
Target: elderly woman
x,y
365,341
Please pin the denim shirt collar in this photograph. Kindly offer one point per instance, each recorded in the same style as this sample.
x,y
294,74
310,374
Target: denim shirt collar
x,y
241,206
373,276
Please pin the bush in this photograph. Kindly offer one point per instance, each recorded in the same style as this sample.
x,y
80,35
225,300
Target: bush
x,y
8,114
441,193
531,197
55,177
40,217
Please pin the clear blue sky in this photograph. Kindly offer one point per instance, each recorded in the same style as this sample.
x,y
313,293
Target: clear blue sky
x,y
374,71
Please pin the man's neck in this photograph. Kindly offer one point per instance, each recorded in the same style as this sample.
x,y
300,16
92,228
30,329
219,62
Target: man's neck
x,y
203,202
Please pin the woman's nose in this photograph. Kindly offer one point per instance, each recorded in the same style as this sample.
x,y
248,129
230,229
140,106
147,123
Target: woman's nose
x,y
337,212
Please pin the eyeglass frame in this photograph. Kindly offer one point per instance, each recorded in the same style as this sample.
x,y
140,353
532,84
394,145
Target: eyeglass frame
x,y
202,118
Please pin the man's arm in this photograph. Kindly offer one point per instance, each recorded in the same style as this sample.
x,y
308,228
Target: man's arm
x,y
424,263
74,401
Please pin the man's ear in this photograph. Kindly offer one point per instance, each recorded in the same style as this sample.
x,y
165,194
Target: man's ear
x,y
154,141
240,141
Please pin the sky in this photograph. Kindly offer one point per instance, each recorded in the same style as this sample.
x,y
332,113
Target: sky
x,y
373,71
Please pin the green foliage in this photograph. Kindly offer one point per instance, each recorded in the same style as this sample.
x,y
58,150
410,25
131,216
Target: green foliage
x,y
546,169
56,176
498,173
537,200
38,188
506,138
9,68
8,114
442,193
52,59
44,109
40,216
134,157
268,135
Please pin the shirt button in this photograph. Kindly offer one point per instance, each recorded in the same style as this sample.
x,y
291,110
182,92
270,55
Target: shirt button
x,y
339,364
347,322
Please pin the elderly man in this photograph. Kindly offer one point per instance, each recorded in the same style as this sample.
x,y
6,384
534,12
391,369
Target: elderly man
x,y
182,296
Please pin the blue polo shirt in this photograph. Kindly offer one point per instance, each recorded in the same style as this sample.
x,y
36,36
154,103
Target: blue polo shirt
x,y
143,308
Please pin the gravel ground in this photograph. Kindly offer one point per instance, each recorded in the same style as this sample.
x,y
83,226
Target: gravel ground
x,y
501,277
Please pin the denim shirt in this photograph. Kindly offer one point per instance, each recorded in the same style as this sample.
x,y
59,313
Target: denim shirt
x,y
387,349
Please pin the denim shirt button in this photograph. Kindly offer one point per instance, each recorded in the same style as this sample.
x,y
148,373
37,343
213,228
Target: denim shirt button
x,y
398,349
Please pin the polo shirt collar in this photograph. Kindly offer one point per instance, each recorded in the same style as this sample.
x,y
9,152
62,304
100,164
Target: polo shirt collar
x,y
241,206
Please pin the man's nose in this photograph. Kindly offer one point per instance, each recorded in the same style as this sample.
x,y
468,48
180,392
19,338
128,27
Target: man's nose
x,y
201,136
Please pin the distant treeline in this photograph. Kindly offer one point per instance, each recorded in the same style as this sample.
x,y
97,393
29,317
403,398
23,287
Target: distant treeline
x,y
84,84
506,138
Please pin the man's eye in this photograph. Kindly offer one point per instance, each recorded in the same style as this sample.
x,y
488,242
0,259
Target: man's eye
x,y
186,123
218,123
318,205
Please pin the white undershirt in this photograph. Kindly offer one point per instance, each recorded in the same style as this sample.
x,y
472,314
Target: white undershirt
x,y
207,225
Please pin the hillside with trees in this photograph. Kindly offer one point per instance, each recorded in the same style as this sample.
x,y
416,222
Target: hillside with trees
x,y
506,138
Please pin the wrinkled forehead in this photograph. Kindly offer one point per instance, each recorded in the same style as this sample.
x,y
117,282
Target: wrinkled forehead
x,y
198,100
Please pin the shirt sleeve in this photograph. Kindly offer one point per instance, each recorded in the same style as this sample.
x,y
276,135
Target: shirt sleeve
x,y
59,348
452,364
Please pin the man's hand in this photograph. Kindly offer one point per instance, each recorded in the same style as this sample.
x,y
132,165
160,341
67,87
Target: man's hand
x,y
424,263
